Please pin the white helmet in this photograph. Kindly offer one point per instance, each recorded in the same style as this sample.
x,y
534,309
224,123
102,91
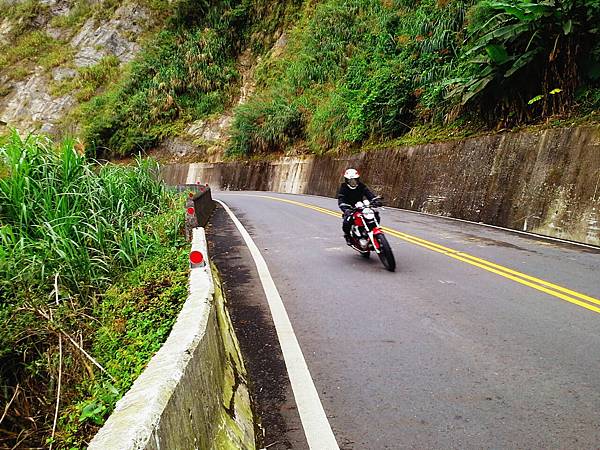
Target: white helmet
x,y
351,177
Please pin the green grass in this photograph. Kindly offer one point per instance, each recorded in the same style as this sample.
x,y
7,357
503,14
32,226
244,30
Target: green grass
x,y
22,14
82,227
48,214
133,320
430,133
34,48
20,73
351,68
89,80
79,13
195,83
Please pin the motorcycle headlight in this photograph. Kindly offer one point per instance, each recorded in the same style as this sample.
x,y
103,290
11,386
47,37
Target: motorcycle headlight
x,y
368,214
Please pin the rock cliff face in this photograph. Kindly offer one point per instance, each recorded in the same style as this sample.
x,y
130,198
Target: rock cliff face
x,y
29,104
114,37
546,182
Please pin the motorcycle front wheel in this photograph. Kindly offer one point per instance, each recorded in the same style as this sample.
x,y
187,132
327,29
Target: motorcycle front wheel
x,y
385,253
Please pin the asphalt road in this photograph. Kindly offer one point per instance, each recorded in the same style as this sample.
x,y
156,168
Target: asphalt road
x,y
448,351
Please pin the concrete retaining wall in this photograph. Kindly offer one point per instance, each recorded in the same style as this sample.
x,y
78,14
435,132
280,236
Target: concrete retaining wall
x,y
193,394
546,182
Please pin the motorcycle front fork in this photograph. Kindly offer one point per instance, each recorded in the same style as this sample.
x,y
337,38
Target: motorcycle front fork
x,y
371,235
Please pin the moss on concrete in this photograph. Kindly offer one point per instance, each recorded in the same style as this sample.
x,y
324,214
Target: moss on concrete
x,y
236,430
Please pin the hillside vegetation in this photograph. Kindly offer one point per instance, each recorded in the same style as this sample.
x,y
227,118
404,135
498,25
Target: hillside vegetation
x,y
186,72
369,70
345,74
358,71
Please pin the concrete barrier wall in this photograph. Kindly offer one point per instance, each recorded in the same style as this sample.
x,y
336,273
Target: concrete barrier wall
x,y
193,394
546,182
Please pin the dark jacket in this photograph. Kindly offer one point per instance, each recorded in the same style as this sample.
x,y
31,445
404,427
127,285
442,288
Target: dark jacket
x,y
347,197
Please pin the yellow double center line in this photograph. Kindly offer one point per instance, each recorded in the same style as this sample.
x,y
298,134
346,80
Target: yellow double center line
x,y
577,298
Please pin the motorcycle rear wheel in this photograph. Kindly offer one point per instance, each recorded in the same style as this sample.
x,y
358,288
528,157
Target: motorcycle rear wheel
x,y
385,254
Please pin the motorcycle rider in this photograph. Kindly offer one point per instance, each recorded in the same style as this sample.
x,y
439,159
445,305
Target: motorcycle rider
x,y
351,191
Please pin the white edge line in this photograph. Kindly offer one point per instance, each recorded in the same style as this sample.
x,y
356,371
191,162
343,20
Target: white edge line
x,y
541,237
312,415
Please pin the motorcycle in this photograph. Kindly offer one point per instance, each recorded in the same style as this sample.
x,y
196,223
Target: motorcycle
x,y
366,235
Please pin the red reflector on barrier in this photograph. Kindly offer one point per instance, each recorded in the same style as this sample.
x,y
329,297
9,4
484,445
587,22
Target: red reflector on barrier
x,y
191,211
196,257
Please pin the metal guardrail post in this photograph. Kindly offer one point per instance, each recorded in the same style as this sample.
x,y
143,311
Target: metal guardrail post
x,y
199,207
204,205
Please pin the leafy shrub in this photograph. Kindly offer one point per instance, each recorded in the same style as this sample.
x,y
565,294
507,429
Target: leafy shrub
x,y
524,52
265,126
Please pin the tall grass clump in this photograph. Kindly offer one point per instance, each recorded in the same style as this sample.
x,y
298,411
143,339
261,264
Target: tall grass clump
x,y
61,215
266,126
68,229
